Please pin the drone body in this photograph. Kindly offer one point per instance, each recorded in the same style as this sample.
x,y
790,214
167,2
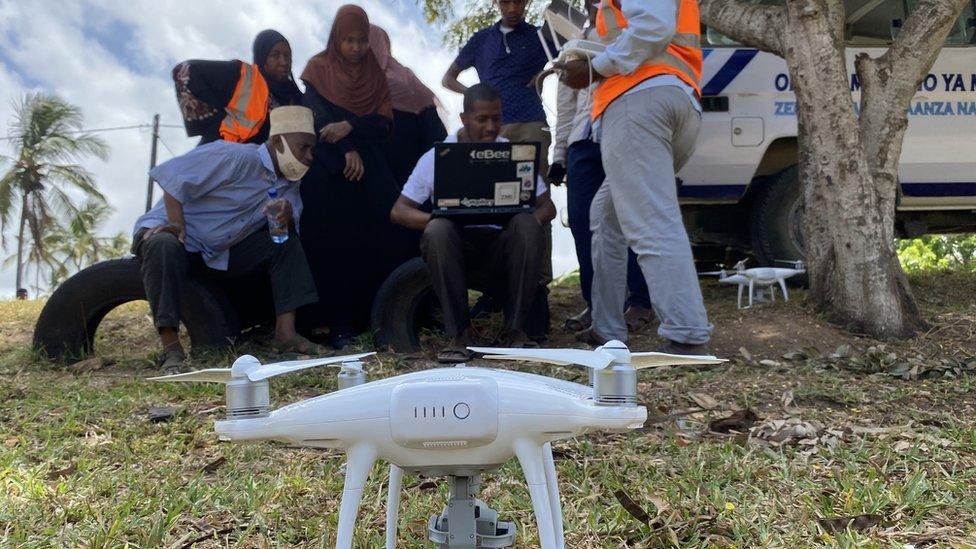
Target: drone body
x,y
460,422
447,421
759,279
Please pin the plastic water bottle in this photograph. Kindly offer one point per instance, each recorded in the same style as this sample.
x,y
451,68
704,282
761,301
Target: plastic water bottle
x,y
279,232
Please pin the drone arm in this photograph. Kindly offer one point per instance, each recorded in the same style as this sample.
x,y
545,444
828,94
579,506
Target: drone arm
x,y
359,462
530,456
393,505
552,482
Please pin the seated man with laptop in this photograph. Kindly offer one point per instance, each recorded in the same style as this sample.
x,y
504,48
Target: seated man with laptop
x,y
489,208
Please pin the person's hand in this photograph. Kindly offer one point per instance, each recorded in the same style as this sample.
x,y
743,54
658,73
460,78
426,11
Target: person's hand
x,y
577,73
556,175
354,166
176,229
335,132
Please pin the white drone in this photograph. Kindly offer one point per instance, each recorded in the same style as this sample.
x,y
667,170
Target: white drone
x,y
459,421
758,279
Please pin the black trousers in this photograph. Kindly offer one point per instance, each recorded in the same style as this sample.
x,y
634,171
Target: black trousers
x,y
506,262
165,264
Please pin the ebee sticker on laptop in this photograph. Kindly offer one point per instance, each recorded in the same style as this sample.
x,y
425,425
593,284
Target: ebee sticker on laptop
x,y
507,193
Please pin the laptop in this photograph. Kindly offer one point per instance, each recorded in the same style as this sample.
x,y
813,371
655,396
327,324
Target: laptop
x,y
484,183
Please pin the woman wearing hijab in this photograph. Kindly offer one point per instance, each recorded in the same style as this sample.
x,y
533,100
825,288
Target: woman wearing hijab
x,y
272,54
205,88
416,123
346,232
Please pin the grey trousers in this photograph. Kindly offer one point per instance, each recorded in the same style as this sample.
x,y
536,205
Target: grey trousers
x,y
165,264
646,137
507,263
536,131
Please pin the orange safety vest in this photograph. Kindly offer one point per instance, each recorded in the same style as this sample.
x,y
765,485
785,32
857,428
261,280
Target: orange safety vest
x,y
683,58
248,107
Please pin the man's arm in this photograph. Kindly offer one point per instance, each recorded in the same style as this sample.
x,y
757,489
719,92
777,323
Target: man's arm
x,y
545,210
450,80
650,28
406,212
565,114
175,224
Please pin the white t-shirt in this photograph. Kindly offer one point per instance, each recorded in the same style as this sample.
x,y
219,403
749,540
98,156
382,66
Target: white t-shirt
x,y
420,185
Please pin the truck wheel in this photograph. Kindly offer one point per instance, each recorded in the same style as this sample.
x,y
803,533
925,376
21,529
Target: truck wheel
x,y
405,305
66,328
776,225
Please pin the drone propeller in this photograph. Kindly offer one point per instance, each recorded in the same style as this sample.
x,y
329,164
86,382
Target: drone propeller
x,y
723,272
597,359
798,264
249,367
656,360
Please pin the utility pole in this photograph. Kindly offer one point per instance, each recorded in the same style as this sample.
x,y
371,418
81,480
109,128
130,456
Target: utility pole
x,y
152,160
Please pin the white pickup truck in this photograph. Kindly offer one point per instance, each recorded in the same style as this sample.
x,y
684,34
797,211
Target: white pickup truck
x,y
740,189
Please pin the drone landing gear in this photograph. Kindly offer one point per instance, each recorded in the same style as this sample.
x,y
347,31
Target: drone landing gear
x,y
467,522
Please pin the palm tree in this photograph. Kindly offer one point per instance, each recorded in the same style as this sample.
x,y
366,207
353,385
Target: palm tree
x,y
48,145
77,245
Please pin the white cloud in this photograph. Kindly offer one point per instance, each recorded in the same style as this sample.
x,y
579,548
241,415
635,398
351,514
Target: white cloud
x,y
113,59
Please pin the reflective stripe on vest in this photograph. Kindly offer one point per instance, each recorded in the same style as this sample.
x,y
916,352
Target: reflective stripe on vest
x,y
248,107
682,58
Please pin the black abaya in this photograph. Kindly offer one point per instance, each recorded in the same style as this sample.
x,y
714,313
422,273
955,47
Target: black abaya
x,y
346,232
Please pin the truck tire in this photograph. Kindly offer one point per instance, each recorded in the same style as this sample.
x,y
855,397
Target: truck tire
x,y
776,224
404,305
66,328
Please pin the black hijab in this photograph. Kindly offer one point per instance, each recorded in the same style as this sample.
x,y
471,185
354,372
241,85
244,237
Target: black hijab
x,y
287,92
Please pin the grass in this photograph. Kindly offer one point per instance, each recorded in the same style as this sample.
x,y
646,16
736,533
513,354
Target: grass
x,y
82,465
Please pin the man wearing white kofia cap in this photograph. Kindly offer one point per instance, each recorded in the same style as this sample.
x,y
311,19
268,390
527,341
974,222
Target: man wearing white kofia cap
x,y
212,221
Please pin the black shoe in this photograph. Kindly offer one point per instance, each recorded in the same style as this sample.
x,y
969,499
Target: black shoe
x,y
590,336
340,340
676,348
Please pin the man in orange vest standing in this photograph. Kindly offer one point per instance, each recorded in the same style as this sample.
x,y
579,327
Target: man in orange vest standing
x,y
646,115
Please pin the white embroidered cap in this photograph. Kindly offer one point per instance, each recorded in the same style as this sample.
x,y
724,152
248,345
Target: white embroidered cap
x,y
292,119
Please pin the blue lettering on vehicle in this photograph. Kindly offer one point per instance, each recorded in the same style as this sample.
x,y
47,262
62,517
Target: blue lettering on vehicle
x,y
785,108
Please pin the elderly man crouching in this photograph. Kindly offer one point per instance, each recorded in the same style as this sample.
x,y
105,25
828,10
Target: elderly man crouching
x,y
212,219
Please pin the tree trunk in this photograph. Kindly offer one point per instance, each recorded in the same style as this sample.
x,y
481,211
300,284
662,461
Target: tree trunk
x,y
848,165
855,275
20,245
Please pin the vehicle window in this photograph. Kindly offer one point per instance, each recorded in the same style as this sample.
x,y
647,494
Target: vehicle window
x,y
873,22
963,33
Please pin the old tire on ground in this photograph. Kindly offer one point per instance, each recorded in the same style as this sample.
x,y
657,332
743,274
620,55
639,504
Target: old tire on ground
x,y
66,327
776,224
404,305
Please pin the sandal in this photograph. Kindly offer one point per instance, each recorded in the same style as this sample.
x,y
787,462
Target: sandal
x,y
173,362
300,345
454,355
637,318
579,322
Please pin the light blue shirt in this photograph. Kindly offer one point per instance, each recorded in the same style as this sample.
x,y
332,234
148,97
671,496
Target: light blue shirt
x,y
223,187
650,27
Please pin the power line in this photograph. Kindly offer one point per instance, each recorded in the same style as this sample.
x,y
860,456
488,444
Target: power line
x,y
167,146
101,130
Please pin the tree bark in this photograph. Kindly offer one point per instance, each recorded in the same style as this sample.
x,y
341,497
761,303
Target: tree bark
x,y
848,165
20,245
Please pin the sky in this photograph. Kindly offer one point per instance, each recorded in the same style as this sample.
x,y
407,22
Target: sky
x,y
112,58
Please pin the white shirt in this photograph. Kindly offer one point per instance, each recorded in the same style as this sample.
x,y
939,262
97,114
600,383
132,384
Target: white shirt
x,y
420,185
